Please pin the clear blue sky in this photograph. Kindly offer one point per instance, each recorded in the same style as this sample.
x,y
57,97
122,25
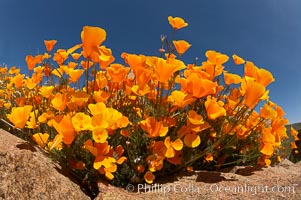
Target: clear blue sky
x,y
267,32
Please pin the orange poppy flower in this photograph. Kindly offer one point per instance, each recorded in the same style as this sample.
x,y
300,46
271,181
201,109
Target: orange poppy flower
x,y
59,102
76,56
216,58
153,127
176,160
172,146
81,122
165,69
100,135
21,101
97,108
194,118
30,61
267,149
155,162
181,46
30,83
38,69
107,171
104,161
267,136
214,64
261,76
47,70
90,147
231,78
101,96
177,22
45,116
75,74
104,58
14,70
40,139
142,75
49,44
117,72
141,90
32,124
46,91
60,56
254,92
149,177
104,117
180,99
200,87
192,140
18,80
294,133
268,112
293,145
92,37
19,116
237,60
101,80
3,70
214,108
119,150
63,125
79,98
209,157
134,61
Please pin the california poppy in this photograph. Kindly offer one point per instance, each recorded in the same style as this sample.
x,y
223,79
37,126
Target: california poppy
x,y
153,128
214,108
254,91
19,116
63,125
81,122
49,44
180,99
238,60
59,101
181,46
46,91
117,72
200,87
41,139
177,22
261,76
231,78
92,37
149,177
171,147
164,69
60,56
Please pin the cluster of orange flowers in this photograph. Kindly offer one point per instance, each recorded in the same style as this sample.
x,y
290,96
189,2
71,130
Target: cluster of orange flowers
x,y
151,113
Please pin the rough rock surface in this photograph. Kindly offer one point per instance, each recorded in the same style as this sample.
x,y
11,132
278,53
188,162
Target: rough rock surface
x,y
26,173
240,183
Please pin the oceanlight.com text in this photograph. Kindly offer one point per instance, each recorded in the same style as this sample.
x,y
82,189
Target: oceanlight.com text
x,y
214,188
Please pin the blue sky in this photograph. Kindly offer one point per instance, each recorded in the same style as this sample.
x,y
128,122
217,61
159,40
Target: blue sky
x,y
266,32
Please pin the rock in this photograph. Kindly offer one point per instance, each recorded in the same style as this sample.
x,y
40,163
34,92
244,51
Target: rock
x,y
27,173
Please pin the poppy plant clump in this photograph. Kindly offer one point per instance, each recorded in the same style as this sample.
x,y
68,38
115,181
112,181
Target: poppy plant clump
x,y
148,117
